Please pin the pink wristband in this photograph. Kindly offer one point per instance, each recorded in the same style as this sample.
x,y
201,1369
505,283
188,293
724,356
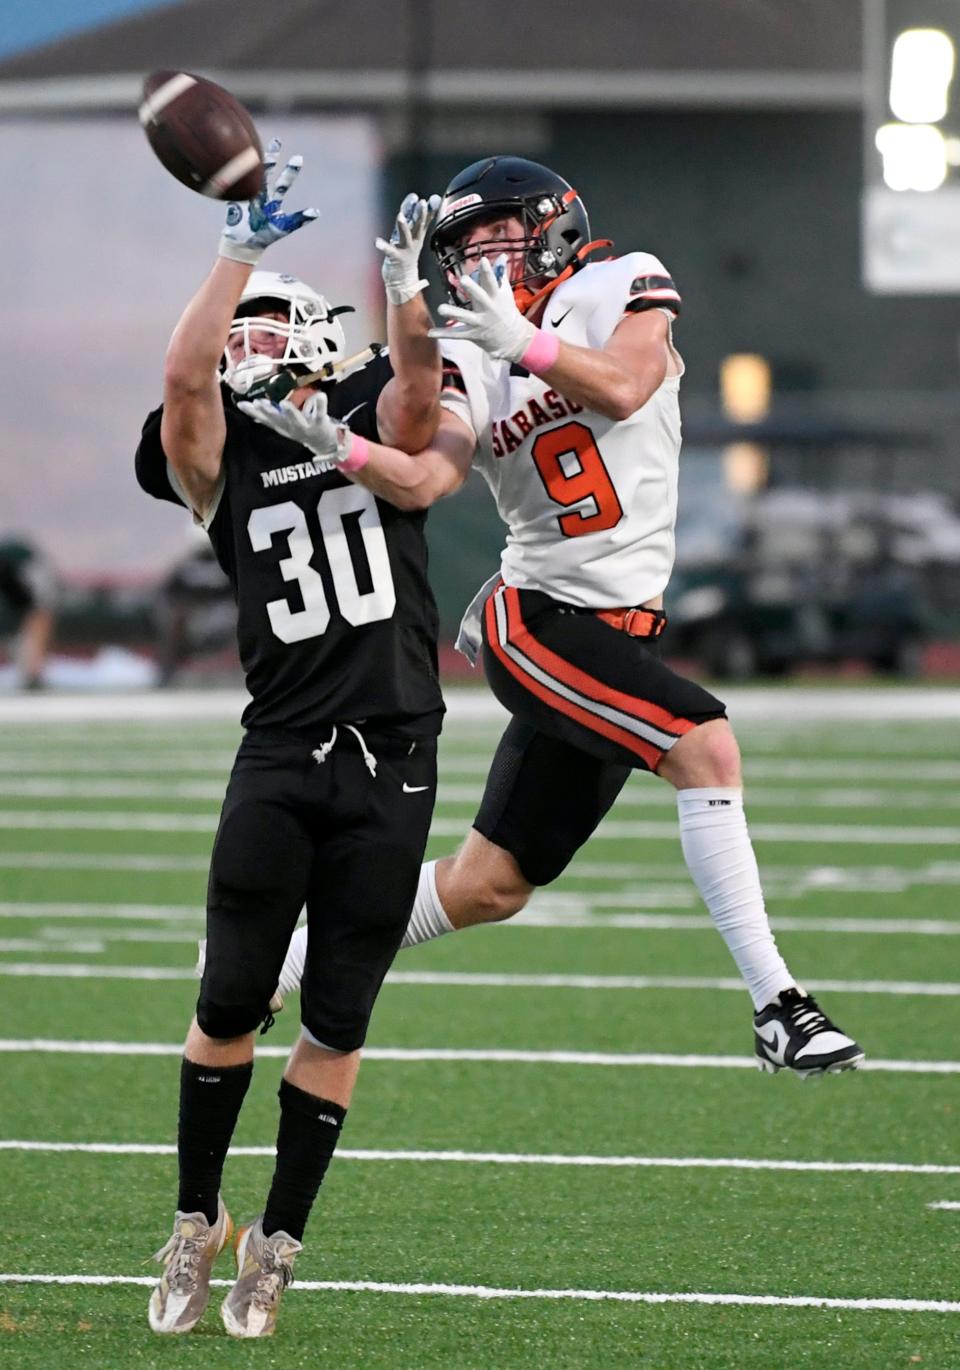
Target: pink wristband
x,y
358,454
542,352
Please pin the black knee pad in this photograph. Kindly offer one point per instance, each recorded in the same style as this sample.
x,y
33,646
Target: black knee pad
x,y
228,1020
339,1019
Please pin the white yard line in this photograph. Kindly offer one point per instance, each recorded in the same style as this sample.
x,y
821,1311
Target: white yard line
x,y
501,1056
88,948
572,911
92,861
946,1204
534,917
455,763
127,706
796,768
516,1158
794,881
636,798
71,970
449,979
60,761
611,830
810,704
21,908
63,820
511,980
853,833
670,884
52,937
40,787
481,1291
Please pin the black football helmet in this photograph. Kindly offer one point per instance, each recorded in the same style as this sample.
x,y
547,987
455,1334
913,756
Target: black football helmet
x,y
557,230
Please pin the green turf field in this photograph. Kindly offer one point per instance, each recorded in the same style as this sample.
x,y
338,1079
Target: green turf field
x,y
558,1153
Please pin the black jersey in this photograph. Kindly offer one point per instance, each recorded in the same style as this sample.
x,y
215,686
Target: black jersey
x,y
336,619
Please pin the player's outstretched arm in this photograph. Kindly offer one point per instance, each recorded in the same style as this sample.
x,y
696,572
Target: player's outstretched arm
x,y
193,429
615,380
408,409
408,480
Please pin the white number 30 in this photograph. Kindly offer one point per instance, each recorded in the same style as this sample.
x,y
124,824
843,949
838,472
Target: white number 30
x,y
358,604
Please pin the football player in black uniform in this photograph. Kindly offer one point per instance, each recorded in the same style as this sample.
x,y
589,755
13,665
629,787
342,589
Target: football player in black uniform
x,y
331,793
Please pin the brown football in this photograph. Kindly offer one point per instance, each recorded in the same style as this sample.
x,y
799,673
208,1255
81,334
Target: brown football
x,y
202,135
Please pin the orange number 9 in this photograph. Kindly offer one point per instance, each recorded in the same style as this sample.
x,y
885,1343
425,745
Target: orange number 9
x,y
590,481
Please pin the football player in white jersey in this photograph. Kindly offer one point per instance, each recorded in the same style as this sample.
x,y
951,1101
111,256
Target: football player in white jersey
x,y
561,385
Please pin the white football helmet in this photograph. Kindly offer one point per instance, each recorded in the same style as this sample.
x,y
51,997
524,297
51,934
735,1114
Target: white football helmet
x,y
313,334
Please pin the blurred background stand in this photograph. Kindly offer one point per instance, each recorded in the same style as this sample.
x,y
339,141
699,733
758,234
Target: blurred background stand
x,y
795,163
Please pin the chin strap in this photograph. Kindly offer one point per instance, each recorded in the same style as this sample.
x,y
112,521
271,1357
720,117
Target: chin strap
x,y
528,299
282,383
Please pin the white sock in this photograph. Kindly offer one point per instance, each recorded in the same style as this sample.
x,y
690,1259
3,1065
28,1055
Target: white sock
x,y
291,972
720,858
427,918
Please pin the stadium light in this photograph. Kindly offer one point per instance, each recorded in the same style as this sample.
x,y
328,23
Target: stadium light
x,y
914,156
746,386
920,74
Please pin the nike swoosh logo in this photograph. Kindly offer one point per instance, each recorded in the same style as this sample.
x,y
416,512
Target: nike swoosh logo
x,y
414,789
773,1035
555,323
347,417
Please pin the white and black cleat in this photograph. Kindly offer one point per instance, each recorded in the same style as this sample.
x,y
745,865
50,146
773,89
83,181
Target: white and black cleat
x,y
793,1033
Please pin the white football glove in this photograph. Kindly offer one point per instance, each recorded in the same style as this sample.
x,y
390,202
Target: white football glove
x,y
401,255
493,320
252,225
311,426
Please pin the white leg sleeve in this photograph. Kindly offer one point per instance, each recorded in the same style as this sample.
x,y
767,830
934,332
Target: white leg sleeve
x,y
291,972
720,858
427,919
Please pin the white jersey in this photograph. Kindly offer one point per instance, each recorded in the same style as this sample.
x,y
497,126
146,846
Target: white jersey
x,y
589,502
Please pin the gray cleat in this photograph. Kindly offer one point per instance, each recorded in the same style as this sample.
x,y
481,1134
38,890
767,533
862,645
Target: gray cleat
x,y
264,1269
178,1301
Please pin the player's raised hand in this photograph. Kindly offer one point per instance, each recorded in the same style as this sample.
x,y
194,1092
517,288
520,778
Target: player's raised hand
x,y
311,425
401,255
493,320
252,225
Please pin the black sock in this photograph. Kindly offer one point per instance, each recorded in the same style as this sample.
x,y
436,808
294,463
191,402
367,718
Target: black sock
x,y
210,1100
309,1131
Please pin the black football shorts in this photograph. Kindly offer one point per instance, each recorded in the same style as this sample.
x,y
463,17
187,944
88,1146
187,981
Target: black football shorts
x,y
572,676
590,703
543,799
327,833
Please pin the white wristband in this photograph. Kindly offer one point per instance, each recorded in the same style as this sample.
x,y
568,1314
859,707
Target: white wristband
x,y
237,252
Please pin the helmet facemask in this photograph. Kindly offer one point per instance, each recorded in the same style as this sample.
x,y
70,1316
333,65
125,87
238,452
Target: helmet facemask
x,y
555,229
311,334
